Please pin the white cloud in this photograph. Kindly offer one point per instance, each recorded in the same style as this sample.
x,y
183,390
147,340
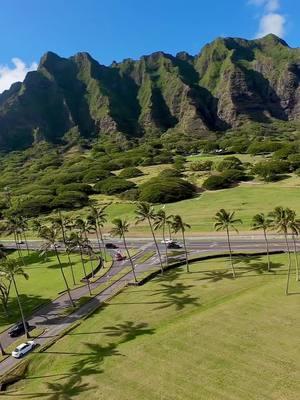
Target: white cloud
x,y
16,73
271,21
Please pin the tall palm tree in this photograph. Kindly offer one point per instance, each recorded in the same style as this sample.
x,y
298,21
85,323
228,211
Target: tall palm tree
x,y
75,242
294,227
145,212
93,227
12,268
50,236
224,222
101,218
59,223
280,222
180,225
120,228
161,221
263,222
83,227
11,227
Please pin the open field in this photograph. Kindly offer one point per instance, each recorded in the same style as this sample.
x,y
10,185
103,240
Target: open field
x,y
44,283
196,336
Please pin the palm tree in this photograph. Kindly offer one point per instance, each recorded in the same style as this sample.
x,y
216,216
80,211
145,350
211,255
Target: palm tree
x,y
23,228
11,268
180,225
161,221
120,228
224,221
75,242
262,222
59,223
145,212
280,222
294,226
93,227
101,219
12,228
83,227
50,235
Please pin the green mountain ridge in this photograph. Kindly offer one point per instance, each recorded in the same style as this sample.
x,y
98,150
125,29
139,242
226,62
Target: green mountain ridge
x,y
231,81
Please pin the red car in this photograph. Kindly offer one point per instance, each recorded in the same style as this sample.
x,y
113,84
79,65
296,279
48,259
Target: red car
x,y
119,257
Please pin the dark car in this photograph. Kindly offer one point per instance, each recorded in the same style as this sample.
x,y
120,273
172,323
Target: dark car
x,y
18,330
174,245
111,246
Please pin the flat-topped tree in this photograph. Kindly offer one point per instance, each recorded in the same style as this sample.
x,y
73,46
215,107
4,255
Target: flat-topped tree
x,y
224,222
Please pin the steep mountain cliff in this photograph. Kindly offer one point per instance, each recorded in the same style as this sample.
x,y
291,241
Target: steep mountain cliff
x,y
230,82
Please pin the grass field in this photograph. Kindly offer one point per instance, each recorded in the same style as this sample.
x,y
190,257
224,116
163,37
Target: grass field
x,y
37,290
197,336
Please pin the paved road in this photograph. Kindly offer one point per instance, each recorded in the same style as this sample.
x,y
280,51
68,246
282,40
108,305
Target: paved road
x,y
50,316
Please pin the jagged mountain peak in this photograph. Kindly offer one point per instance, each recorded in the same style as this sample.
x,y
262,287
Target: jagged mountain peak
x,y
230,82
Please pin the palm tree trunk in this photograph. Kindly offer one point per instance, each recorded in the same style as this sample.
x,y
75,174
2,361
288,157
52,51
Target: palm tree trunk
x,y
99,244
268,253
296,258
290,264
166,246
84,271
170,233
65,244
64,277
2,351
186,254
102,240
26,242
230,253
17,245
156,245
129,257
20,306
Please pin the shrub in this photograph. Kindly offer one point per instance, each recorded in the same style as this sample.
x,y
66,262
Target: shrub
x,y
96,175
229,163
234,175
131,195
201,165
70,199
268,170
263,147
216,182
35,205
170,173
75,187
160,190
113,185
130,172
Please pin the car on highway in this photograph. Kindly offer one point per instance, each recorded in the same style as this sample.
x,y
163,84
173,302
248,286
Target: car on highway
x,y
18,329
111,246
23,348
166,241
20,242
174,245
119,257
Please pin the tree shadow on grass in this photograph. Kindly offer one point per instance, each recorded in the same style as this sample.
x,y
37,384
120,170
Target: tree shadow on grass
x,y
217,276
180,302
128,330
255,264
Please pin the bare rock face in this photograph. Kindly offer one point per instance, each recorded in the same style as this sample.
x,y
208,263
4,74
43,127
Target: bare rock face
x,y
229,83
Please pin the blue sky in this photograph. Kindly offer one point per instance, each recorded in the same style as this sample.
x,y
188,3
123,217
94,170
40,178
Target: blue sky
x,y
116,29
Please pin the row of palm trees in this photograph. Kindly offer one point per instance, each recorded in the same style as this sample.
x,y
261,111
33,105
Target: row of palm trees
x,y
282,220
74,235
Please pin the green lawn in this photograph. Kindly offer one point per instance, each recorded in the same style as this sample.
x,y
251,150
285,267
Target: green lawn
x,y
201,336
44,283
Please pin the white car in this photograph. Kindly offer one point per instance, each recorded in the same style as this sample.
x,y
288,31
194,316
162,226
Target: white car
x,y
23,348
166,241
